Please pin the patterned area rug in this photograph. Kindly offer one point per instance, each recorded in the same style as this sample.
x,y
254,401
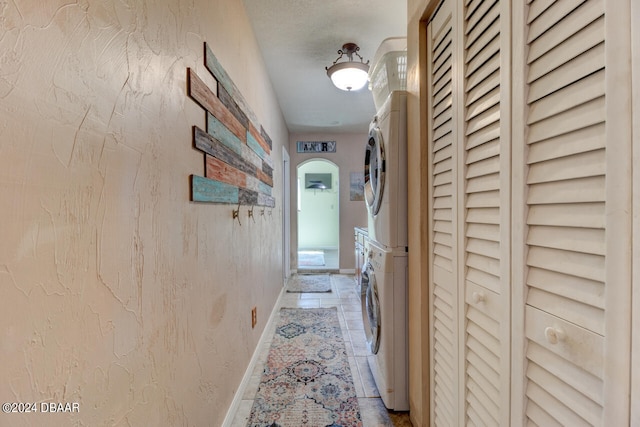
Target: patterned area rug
x,y
309,283
306,380
311,258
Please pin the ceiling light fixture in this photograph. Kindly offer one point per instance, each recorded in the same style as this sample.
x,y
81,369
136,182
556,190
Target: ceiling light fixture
x,y
349,75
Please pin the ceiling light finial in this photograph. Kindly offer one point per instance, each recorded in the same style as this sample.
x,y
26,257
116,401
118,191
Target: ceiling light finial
x,y
349,75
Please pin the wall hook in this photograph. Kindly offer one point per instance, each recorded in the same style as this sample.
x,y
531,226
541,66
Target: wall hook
x,y
236,214
250,213
262,212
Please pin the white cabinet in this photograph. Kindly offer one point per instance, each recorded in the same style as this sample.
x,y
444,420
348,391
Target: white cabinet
x,y
360,236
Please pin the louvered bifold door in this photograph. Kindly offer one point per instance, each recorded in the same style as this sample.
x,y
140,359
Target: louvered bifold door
x,y
443,309
574,348
484,169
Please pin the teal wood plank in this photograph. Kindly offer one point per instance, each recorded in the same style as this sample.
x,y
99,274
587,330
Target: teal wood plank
x,y
211,191
220,132
260,139
247,154
250,156
264,188
220,74
253,183
255,146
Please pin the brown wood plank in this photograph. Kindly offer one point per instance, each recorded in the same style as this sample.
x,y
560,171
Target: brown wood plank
x,y
208,100
266,137
258,136
232,106
264,178
221,171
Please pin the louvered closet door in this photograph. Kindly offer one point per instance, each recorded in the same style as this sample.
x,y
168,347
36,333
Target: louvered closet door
x,y
568,293
484,169
470,195
442,233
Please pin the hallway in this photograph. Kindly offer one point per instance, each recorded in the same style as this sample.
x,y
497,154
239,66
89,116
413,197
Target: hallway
x,y
344,295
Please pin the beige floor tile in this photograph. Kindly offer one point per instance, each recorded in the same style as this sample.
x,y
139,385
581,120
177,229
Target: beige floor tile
x,y
357,382
366,377
373,413
242,414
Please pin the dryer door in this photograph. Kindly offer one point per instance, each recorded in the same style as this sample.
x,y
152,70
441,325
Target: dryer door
x,y
371,312
374,171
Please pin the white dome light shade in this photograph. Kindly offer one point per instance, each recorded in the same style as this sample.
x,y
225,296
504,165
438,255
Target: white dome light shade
x,y
349,75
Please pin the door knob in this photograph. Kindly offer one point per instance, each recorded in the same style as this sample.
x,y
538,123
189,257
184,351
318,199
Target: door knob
x,y
477,297
554,335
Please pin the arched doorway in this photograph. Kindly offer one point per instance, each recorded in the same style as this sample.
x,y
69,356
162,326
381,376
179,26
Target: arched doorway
x,y
318,215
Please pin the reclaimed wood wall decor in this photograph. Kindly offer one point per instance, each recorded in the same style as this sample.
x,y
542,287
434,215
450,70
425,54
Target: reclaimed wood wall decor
x,y
237,151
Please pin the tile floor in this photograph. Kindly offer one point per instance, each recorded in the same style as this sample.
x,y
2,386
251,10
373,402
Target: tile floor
x,y
331,262
345,296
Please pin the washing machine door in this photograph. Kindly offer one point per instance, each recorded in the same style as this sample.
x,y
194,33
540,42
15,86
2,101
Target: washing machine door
x,y
371,309
374,170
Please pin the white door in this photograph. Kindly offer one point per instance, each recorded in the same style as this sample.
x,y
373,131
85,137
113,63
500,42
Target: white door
x,y
469,155
442,199
529,194
573,144
484,217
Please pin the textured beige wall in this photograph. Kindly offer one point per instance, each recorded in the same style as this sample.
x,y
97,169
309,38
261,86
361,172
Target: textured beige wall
x,y
349,157
117,292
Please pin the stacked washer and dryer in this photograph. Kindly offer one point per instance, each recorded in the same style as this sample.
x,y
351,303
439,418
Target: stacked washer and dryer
x,y
384,276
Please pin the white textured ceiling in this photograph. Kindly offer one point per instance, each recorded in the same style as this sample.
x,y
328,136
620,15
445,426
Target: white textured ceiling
x,y
299,38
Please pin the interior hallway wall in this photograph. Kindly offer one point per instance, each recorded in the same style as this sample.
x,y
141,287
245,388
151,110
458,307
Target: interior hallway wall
x,y
118,293
349,157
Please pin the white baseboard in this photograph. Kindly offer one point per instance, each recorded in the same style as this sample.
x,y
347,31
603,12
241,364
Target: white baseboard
x,y
235,404
341,271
